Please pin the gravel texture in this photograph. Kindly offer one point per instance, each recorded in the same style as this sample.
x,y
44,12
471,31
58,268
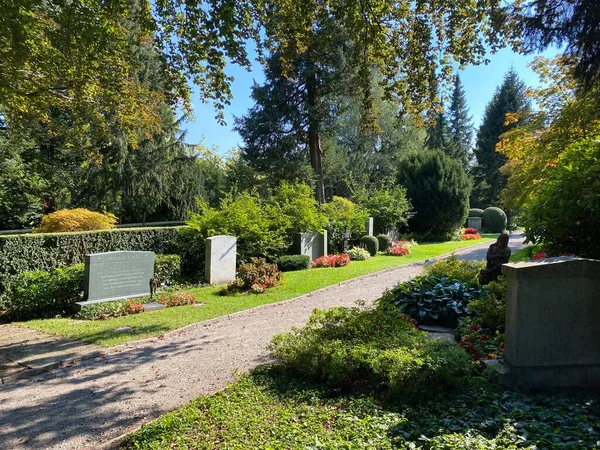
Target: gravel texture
x,y
90,404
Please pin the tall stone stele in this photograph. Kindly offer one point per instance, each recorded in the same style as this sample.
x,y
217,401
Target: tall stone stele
x,y
311,243
370,226
552,332
220,259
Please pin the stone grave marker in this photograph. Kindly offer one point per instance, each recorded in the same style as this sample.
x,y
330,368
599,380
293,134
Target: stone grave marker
x,y
117,275
475,222
311,243
220,259
552,332
370,222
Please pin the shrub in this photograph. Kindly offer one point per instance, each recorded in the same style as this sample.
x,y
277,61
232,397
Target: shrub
x,y
78,219
297,204
398,250
168,269
478,340
438,188
471,230
257,276
388,205
490,308
331,261
178,298
358,254
376,347
371,243
384,242
432,300
475,212
289,263
469,237
41,293
494,220
456,269
119,308
31,252
342,214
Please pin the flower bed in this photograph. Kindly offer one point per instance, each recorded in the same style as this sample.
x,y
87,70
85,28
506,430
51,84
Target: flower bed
x,y
401,248
332,261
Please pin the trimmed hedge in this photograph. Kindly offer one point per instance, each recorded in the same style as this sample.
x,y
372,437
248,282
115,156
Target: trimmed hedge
x,y
32,252
289,263
384,242
494,220
475,212
370,243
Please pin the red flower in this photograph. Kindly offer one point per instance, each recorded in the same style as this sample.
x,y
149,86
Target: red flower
x,y
461,343
475,326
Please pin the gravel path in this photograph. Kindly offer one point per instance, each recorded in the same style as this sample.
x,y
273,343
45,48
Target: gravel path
x,y
88,405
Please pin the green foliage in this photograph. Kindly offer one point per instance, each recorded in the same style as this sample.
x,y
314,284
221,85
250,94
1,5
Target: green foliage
x,y
358,254
256,276
432,300
168,269
475,212
78,219
343,214
384,242
30,252
388,205
379,348
260,230
465,271
371,243
296,204
107,310
494,220
438,189
289,263
177,298
490,308
43,293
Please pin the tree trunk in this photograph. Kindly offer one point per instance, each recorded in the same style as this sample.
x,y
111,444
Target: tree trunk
x,y
314,139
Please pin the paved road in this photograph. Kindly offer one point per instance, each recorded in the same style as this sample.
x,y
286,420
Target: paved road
x,y
89,404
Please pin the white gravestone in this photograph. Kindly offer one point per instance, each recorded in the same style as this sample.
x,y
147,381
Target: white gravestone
x,y
220,259
370,222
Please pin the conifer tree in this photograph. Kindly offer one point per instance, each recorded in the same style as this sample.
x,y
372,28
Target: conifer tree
x,y
460,125
489,181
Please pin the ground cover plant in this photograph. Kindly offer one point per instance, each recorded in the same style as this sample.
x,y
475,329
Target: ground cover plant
x,y
340,260
292,285
358,254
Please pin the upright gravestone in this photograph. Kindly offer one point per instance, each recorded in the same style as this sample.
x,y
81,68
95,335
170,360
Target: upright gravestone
x,y
552,331
117,275
475,222
311,243
220,259
370,222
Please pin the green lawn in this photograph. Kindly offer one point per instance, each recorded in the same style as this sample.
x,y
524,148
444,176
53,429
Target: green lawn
x,y
293,285
269,409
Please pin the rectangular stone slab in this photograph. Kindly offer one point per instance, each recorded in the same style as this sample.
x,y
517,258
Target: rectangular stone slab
x,y
117,275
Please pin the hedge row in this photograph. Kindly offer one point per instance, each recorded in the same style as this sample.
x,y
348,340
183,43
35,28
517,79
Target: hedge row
x,y
31,252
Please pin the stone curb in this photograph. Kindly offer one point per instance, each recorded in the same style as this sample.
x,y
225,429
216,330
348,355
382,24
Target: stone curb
x,y
29,373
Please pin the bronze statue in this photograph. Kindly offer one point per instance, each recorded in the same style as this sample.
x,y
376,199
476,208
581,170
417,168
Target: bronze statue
x,y
497,254
153,285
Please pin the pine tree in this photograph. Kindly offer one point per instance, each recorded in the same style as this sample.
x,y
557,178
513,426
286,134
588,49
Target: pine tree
x,y
459,122
438,134
489,181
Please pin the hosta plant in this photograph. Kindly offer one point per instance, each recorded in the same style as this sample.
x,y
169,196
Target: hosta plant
x,y
358,254
432,300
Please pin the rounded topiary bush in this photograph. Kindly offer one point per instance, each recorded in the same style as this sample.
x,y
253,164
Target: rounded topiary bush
x,y
475,212
289,263
371,244
494,220
384,241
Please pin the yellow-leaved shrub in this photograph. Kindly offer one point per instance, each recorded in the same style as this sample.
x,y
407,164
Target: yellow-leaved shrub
x,y
78,219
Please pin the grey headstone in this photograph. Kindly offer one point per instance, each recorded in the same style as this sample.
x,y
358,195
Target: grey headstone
x,y
552,331
220,259
475,222
311,243
117,275
370,222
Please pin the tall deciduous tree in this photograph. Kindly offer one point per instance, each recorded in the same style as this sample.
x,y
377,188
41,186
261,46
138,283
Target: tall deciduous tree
x,y
509,98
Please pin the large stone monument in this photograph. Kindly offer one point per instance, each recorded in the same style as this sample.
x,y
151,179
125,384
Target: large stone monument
x,y
220,259
475,222
312,244
117,275
552,333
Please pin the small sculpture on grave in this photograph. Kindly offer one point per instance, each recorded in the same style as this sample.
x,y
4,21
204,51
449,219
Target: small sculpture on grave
x,y
153,285
498,254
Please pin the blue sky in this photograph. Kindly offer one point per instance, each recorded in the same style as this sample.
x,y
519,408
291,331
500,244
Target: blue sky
x,y
480,83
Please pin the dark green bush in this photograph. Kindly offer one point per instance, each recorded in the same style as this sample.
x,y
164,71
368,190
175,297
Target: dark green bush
x,y
350,347
438,188
494,220
31,252
475,212
41,293
168,269
384,242
289,263
431,300
371,244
